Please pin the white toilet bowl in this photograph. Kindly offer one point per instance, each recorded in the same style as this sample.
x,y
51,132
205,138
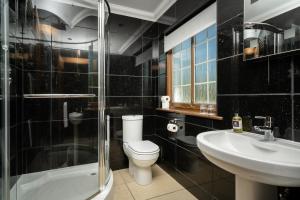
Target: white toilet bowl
x,y
143,154
131,165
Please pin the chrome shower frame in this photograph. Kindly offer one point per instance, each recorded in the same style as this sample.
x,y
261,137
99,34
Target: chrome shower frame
x,y
5,73
101,95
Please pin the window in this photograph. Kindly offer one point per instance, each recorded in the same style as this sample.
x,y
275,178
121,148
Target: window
x,y
192,65
206,66
181,73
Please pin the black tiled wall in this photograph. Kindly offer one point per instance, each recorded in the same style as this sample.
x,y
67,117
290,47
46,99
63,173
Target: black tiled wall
x,y
266,86
130,91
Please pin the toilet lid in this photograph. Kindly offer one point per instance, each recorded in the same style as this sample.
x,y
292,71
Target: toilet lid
x,y
143,147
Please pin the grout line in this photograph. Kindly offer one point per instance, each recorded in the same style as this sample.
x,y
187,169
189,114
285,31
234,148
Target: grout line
x,y
195,154
161,195
129,96
292,97
256,94
228,20
206,127
126,184
233,56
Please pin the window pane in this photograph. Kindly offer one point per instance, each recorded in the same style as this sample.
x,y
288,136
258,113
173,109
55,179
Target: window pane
x,y
203,93
197,93
212,93
186,57
177,49
211,31
177,94
176,61
212,49
212,71
201,73
200,37
186,44
176,78
186,94
201,53
186,76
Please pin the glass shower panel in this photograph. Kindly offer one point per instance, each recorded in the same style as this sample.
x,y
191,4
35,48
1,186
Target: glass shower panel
x,y
56,53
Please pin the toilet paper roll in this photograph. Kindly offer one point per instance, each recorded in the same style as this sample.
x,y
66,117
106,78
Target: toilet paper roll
x,y
172,128
165,99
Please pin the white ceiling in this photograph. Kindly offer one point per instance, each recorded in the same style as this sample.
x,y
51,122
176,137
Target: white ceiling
x,y
150,10
124,31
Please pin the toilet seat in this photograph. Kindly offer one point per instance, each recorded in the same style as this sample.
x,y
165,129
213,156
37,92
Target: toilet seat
x,y
145,147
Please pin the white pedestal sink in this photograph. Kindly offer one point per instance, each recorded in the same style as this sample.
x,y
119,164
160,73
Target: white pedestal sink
x,y
259,166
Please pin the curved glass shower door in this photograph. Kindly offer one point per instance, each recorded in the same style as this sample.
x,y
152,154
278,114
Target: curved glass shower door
x,y
58,56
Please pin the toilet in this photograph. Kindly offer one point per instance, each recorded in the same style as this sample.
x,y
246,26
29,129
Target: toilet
x,y
142,154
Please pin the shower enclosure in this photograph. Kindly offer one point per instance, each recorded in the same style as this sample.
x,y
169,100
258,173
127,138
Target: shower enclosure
x,y
54,129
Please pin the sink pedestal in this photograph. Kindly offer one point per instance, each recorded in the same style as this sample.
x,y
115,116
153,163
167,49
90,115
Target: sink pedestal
x,y
250,190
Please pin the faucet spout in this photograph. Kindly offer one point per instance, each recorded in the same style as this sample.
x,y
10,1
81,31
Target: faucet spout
x,y
268,133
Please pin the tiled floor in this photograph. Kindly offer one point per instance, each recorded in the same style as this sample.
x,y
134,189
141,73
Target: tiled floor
x,y
163,187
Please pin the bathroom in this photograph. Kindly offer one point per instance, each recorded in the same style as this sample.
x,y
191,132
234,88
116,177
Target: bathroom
x,y
93,106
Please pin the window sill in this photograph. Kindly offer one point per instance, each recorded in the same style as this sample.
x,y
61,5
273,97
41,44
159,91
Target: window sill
x,y
191,113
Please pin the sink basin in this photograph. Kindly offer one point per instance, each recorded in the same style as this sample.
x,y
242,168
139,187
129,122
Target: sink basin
x,y
254,162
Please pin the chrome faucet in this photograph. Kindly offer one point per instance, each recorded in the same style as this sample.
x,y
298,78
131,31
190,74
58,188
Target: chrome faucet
x,y
267,128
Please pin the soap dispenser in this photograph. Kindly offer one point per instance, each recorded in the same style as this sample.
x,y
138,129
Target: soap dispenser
x,y
237,124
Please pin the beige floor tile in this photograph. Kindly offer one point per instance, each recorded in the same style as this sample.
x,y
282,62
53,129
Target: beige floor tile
x,y
157,171
118,180
179,195
126,176
121,192
160,185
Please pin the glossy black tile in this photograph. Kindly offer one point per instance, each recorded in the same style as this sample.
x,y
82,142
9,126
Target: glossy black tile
x,y
229,9
119,106
118,160
161,85
297,117
149,123
116,128
194,167
37,82
230,37
36,159
73,145
39,56
221,174
149,86
167,151
296,63
123,65
36,134
37,109
70,83
276,106
259,76
149,105
223,189
124,86
80,105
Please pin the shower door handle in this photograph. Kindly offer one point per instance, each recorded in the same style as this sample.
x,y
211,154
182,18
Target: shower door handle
x,y
65,114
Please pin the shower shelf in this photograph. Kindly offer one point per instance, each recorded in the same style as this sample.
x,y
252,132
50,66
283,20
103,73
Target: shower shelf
x,y
57,96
